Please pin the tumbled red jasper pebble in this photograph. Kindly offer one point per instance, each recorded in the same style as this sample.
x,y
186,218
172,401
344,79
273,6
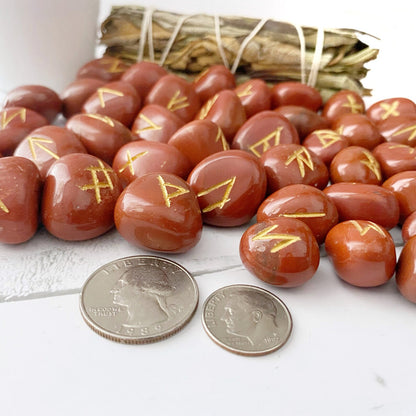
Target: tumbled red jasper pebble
x,y
177,95
155,123
226,110
107,68
76,93
288,164
160,212
199,139
409,227
394,158
403,185
359,130
325,144
362,201
296,93
118,100
406,271
140,157
230,186
79,195
263,131
255,96
362,253
305,120
280,251
390,107
20,188
355,164
46,144
343,102
400,129
15,124
305,203
101,135
213,80
143,75
38,98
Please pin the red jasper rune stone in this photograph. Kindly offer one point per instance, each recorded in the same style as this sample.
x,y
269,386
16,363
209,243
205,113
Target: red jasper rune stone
x,y
406,271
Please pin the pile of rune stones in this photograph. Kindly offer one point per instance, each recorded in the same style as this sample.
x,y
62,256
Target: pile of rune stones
x,y
158,156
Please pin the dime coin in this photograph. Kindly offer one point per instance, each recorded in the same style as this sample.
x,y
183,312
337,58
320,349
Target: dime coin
x,y
139,299
246,320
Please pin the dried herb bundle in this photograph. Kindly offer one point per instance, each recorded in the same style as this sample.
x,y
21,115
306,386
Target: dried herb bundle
x,y
190,44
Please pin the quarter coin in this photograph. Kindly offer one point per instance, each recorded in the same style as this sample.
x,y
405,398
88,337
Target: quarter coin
x,y
246,320
139,299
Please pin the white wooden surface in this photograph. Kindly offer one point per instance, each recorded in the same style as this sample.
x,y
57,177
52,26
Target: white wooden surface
x,y
351,351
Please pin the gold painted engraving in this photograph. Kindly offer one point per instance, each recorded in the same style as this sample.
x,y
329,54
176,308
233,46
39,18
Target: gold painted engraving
x,y
177,102
3,207
104,119
201,74
151,125
340,129
304,215
207,107
353,105
114,65
302,157
168,196
104,90
411,150
7,116
39,143
372,164
96,185
130,160
220,136
229,183
409,129
246,92
327,137
390,109
285,239
267,142
364,230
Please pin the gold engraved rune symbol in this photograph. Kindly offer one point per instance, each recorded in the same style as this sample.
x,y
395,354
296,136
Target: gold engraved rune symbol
x,y
364,230
207,107
168,196
285,239
220,136
104,90
411,129
96,184
229,183
114,65
3,207
302,157
327,137
273,137
177,102
353,105
390,110
411,150
39,142
372,164
130,160
246,92
104,119
151,125
6,117
303,215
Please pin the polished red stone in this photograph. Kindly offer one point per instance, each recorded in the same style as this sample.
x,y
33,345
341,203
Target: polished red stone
x,y
140,157
107,68
155,123
325,144
394,158
399,129
343,102
199,139
213,80
79,195
361,201
101,135
305,203
46,144
280,251
355,164
15,124
159,212
389,108
406,271
177,95
255,95
230,186
263,131
362,253
409,227
75,94
20,188
288,164
118,100
296,93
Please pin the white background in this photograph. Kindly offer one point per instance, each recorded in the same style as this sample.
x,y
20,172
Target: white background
x,y
352,351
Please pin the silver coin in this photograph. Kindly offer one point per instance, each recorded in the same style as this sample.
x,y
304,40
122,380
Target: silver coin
x,y
139,299
246,320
